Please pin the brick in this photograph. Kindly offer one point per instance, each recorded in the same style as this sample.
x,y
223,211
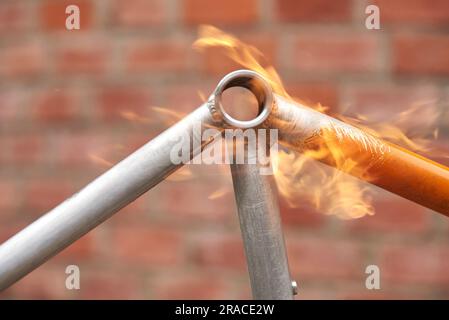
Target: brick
x,y
402,12
25,59
185,98
104,159
157,56
193,202
313,94
421,54
330,52
238,12
7,230
412,109
222,251
73,150
420,264
188,286
113,101
152,247
136,211
42,196
172,242
13,17
242,289
8,199
101,284
82,57
383,102
313,11
216,60
81,249
312,292
24,149
43,283
393,215
303,216
314,258
139,13
135,140
386,293
54,106
52,14
10,104
92,149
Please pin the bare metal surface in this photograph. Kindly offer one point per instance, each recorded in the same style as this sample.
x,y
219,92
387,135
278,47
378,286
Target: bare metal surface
x,y
300,128
260,224
256,84
256,197
121,185
297,124
98,201
125,182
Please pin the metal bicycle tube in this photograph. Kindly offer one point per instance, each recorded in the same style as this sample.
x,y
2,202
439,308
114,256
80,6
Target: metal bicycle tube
x,y
99,200
260,225
300,128
256,193
378,162
117,187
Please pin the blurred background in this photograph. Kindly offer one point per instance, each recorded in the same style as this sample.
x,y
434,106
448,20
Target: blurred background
x,y
72,103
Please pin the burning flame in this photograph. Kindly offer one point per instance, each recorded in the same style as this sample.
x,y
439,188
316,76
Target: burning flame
x,y
414,128
95,158
299,176
245,55
221,192
106,156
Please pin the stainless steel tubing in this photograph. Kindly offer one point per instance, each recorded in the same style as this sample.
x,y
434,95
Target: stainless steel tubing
x,y
376,161
99,200
116,188
256,195
260,224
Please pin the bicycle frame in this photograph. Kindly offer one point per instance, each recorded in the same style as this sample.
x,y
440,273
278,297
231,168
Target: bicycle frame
x,y
299,127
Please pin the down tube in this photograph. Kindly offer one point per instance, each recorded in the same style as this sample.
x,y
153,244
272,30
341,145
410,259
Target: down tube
x,y
99,200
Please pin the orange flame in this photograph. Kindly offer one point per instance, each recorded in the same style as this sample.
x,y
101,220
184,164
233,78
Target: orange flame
x,y
245,55
299,176
100,160
107,156
134,117
219,193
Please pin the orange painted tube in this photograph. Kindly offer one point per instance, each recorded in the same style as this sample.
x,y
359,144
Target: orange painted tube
x,y
386,165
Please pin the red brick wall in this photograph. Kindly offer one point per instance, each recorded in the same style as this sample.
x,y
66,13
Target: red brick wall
x,y
62,95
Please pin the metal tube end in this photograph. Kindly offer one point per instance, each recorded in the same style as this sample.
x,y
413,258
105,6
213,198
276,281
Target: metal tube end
x,y
256,84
